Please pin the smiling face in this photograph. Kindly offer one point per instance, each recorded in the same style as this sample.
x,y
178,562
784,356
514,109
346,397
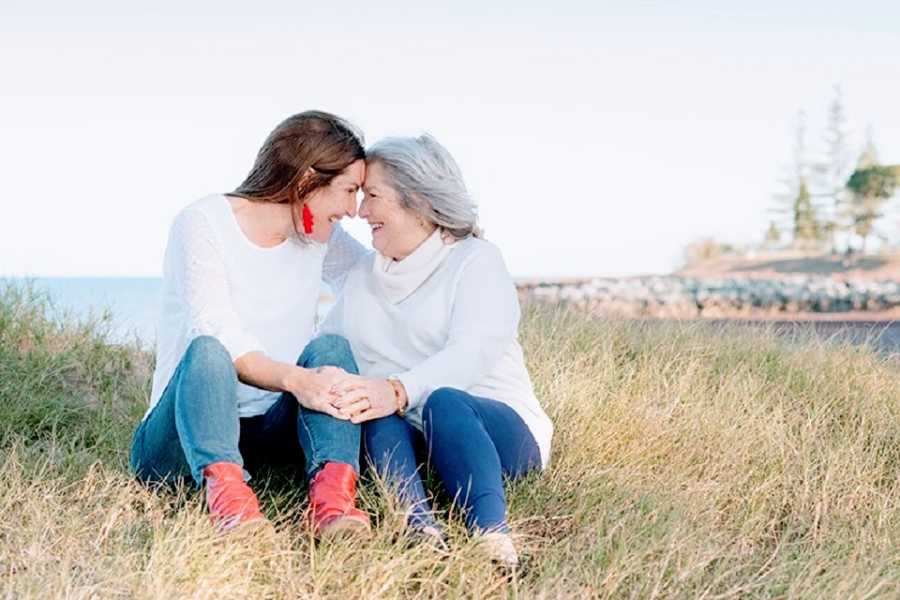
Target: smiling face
x,y
396,230
329,204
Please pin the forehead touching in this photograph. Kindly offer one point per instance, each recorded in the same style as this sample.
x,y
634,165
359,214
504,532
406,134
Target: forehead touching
x,y
376,178
353,175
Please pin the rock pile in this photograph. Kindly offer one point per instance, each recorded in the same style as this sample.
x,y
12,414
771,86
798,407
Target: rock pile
x,y
683,297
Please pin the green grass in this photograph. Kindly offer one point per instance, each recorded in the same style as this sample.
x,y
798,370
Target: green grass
x,y
689,461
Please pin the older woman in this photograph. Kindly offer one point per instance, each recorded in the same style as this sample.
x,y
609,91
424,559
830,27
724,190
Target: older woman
x,y
241,282
432,318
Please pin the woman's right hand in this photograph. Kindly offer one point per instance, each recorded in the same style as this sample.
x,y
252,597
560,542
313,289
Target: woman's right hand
x,y
314,388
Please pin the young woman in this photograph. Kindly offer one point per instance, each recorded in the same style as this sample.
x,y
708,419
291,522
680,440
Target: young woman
x,y
241,282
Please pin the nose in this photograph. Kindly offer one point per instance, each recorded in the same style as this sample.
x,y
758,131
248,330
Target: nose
x,y
363,209
350,207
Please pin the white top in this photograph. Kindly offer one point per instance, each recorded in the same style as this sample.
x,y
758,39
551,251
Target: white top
x,y
217,282
445,316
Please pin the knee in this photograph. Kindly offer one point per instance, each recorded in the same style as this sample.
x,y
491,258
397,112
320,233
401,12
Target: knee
x,y
383,434
387,441
207,355
329,350
445,408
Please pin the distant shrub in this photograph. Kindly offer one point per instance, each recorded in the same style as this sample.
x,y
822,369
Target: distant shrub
x,y
709,249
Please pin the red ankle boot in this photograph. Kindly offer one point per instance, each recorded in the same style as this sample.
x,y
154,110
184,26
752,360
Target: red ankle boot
x,y
332,497
231,502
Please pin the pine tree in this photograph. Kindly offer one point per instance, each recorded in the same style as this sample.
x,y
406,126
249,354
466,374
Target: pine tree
x,y
870,188
869,155
807,229
795,204
834,171
773,235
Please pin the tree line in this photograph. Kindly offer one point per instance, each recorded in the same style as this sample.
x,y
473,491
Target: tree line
x,y
836,202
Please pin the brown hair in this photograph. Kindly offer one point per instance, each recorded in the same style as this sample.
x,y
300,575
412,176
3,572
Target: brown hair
x,y
313,140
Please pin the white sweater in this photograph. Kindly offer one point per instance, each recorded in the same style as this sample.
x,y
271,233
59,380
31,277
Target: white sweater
x,y
445,316
217,282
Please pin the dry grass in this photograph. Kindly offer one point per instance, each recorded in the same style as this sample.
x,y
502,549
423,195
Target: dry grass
x,y
689,461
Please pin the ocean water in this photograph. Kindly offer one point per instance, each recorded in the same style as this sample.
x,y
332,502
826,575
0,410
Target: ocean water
x,y
132,303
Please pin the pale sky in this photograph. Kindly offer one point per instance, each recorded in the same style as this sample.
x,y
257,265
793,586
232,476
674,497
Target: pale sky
x,y
598,137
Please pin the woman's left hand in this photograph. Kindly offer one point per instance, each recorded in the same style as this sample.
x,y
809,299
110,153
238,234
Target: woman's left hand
x,y
364,399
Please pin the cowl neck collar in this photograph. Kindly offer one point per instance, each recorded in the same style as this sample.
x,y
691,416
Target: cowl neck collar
x,y
398,279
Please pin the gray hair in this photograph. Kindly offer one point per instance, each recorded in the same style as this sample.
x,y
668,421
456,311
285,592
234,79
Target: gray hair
x,y
428,181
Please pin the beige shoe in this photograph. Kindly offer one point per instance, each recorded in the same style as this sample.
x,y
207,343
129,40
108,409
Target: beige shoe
x,y
429,535
499,548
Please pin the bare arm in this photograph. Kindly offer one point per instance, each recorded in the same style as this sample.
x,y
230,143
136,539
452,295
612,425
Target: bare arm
x,y
313,388
257,369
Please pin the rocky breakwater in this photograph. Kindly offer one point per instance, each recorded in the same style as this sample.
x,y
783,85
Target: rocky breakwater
x,y
732,297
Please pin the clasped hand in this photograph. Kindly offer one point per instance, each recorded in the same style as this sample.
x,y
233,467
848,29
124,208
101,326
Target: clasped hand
x,y
342,395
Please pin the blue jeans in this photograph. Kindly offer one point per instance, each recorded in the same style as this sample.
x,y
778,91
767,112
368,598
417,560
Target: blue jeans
x,y
196,423
472,443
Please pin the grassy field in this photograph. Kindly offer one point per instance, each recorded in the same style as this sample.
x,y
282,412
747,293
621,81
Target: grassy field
x,y
689,461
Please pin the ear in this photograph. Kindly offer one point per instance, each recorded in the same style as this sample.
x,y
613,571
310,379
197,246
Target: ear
x,y
305,181
307,175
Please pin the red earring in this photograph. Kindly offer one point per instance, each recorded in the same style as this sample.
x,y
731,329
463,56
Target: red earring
x,y
307,220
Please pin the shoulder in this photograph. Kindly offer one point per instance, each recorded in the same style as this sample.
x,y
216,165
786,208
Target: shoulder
x,y
361,268
200,223
476,251
338,235
477,262
202,214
